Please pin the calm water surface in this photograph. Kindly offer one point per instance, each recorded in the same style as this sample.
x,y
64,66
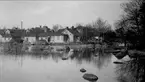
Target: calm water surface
x,y
49,67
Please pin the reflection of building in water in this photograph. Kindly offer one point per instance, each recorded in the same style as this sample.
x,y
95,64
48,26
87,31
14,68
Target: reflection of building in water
x,y
1,67
68,54
101,60
20,62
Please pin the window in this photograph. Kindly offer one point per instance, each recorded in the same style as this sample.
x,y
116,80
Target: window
x,y
52,38
61,38
57,37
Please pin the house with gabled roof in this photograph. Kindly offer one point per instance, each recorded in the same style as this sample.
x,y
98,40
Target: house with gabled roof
x,y
73,35
61,36
29,37
52,37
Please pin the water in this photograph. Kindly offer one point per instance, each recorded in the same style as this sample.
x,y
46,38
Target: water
x,y
50,67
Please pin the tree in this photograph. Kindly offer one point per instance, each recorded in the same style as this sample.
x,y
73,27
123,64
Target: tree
x,y
36,31
131,22
121,26
17,34
46,29
110,37
87,34
89,31
57,27
101,26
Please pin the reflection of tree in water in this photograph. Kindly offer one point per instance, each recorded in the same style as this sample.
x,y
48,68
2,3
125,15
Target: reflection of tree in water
x,y
36,51
131,71
56,57
45,54
16,49
82,55
13,48
102,60
89,56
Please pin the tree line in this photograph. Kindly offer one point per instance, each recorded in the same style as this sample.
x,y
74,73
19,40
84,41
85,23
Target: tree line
x,y
99,28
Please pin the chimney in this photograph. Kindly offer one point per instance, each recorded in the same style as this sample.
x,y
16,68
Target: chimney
x,y
21,24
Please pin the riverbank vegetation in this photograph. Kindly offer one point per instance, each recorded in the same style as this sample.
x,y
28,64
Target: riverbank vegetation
x,y
131,31
130,28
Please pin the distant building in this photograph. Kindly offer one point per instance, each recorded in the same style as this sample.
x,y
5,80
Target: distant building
x,y
5,35
30,38
5,38
60,36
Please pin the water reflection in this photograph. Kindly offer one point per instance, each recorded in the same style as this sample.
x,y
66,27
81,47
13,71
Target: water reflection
x,y
13,49
131,71
88,55
45,63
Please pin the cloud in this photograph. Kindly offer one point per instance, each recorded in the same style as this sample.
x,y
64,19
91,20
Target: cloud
x,y
70,4
57,12
42,10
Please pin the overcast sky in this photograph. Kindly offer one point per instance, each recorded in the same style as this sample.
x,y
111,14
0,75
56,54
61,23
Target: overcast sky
x,y
65,13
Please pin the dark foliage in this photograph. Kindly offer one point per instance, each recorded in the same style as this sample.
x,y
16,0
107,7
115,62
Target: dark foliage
x,y
130,27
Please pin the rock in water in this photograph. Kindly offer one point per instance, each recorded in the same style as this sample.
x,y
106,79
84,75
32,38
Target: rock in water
x,y
118,62
64,58
82,70
90,77
41,49
120,55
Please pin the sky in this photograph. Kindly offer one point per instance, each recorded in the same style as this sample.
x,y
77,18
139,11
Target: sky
x,y
65,13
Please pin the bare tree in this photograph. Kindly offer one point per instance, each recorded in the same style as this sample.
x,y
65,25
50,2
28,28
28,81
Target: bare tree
x,y
101,25
132,13
122,26
57,27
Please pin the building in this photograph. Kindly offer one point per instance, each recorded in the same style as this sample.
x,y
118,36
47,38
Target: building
x,y
61,36
52,37
5,35
30,38
5,38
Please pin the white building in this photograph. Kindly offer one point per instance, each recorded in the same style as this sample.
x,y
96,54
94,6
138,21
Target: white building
x,y
30,38
60,36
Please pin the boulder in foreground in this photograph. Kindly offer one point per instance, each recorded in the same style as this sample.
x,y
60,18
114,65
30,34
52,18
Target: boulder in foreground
x,y
90,77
